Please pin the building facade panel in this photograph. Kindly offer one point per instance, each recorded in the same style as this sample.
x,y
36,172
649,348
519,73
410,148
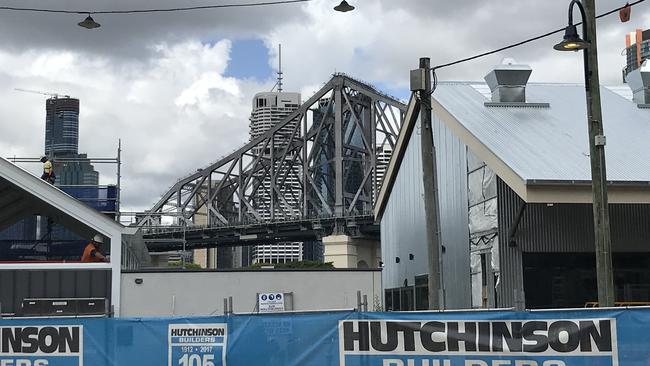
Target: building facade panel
x,y
551,252
510,286
403,227
454,231
568,228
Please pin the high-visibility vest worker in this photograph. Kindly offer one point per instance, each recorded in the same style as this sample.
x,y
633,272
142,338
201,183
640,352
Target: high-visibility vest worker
x,y
91,251
48,170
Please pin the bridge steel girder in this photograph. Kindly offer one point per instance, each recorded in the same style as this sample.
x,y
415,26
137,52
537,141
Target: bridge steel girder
x,y
325,166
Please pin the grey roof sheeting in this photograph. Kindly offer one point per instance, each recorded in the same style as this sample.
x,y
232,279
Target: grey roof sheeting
x,y
551,144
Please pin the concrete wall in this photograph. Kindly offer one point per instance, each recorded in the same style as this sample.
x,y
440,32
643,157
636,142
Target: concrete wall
x,y
165,293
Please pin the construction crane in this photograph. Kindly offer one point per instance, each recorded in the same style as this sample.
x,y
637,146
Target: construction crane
x,y
53,95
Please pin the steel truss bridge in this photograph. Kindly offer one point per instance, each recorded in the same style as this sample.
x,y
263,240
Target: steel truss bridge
x,y
315,173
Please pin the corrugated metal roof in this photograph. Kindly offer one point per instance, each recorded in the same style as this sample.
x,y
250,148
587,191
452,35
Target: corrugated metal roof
x,y
552,143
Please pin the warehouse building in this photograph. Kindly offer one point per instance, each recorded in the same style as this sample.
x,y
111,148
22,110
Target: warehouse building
x,y
514,185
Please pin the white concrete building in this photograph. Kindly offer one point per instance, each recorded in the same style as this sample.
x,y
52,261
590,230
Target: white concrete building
x,y
269,109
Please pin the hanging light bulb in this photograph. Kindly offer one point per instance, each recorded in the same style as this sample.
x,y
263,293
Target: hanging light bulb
x,y
89,23
344,7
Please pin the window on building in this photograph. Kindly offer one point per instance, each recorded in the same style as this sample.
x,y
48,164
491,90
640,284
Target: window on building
x,y
400,299
421,292
407,298
388,300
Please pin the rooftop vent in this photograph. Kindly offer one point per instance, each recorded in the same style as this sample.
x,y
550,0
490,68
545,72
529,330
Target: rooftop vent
x,y
639,82
507,82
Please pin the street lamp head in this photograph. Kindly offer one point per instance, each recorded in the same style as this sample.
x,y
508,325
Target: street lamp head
x,y
89,23
571,41
344,7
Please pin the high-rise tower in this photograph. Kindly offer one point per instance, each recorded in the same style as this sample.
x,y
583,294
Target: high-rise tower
x,y
637,49
269,109
62,141
61,126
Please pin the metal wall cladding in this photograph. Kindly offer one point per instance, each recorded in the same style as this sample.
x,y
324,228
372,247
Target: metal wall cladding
x,y
511,275
403,229
569,228
561,228
18,284
454,226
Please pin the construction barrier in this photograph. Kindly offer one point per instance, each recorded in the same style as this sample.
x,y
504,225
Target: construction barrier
x,y
474,338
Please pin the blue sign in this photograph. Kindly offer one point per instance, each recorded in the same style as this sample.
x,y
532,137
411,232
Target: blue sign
x,y
346,338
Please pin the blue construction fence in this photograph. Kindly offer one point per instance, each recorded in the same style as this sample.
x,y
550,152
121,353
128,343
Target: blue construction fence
x,y
480,338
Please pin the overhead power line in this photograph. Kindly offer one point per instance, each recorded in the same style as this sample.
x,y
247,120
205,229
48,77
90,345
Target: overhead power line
x,y
161,10
523,42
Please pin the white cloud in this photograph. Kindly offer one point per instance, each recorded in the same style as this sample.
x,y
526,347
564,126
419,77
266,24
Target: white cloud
x,y
382,40
174,112
149,80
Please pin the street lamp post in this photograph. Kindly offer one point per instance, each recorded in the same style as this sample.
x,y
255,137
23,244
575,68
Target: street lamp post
x,y
572,42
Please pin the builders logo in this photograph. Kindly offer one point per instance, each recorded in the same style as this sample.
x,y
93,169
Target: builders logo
x,y
41,346
478,343
197,344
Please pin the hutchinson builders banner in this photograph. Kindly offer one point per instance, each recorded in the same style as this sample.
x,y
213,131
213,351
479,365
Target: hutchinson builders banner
x,y
476,338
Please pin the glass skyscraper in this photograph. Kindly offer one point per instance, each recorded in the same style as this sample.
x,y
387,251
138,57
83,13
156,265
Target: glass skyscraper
x,y
62,142
61,126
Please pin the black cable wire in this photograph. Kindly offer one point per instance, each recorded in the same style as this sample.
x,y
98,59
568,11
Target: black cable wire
x,y
189,8
433,69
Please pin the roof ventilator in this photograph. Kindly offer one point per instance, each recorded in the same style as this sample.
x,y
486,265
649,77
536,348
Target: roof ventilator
x,y
639,81
507,83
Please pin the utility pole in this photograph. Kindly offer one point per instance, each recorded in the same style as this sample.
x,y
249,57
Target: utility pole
x,y
604,268
430,191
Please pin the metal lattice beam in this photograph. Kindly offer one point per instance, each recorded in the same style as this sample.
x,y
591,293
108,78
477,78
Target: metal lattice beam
x,y
324,166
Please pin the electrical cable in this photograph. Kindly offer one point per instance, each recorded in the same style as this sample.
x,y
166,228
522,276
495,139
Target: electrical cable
x,y
433,69
167,10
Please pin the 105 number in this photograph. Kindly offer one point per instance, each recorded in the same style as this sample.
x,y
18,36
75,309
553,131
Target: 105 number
x,y
196,360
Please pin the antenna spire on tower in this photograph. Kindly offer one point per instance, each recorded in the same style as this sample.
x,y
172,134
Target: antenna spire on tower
x,y
280,68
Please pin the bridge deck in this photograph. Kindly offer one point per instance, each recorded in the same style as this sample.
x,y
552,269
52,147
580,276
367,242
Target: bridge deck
x,y
163,239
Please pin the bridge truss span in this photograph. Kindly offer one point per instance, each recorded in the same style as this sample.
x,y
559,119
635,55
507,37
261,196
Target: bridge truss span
x,y
327,165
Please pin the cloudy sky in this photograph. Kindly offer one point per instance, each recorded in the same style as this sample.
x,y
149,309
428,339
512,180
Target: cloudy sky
x,y
177,87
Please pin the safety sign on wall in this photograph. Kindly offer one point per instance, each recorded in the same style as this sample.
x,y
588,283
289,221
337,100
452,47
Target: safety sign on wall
x,y
269,303
197,344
